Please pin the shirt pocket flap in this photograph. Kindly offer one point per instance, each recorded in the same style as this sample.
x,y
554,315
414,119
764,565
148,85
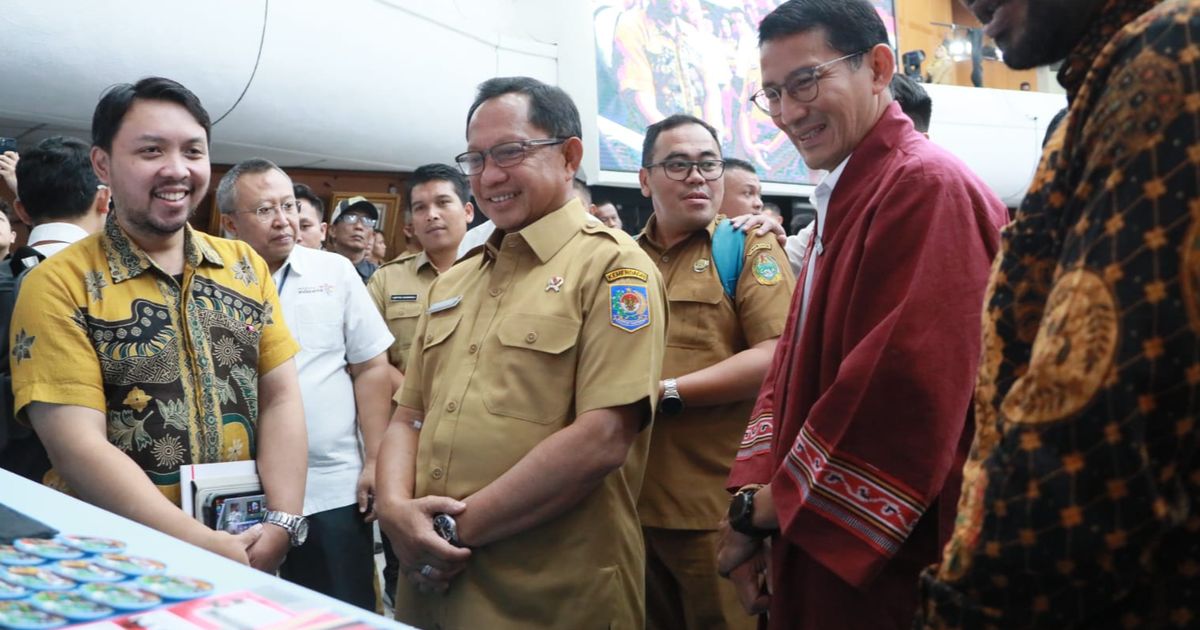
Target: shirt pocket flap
x,y
702,292
400,310
439,328
544,333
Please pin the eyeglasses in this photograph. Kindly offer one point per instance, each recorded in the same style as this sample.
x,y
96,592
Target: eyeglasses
x,y
504,155
367,222
265,214
803,85
679,170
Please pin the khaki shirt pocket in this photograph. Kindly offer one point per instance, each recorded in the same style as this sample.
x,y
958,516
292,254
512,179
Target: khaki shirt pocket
x,y
695,312
534,374
402,323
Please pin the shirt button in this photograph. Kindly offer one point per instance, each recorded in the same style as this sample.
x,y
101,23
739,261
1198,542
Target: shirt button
x,y
666,258
428,338
451,406
531,337
473,349
494,292
436,473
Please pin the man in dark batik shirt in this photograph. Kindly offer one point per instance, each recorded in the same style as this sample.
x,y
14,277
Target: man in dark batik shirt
x,y
1081,499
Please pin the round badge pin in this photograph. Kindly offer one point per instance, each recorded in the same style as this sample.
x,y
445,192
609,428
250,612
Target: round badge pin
x,y
130,565
72,606
36,579
47,548
120,596
12,556
86,571
174,587
92,544
24,616
12,591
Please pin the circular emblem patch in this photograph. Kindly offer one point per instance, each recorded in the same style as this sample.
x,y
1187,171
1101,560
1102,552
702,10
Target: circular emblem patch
x,y
766,270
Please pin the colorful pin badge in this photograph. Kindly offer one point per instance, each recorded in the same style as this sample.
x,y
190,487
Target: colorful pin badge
x,y
120,596
36,579
24,616
12,591
73,606
130,565
555,284
700,265
174,587
92,544
86,571
47,548
13,556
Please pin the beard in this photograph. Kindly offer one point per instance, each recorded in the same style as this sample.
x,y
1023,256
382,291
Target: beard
x,y
1050,32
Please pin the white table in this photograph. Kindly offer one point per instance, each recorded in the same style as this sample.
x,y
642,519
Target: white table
x,y
72,516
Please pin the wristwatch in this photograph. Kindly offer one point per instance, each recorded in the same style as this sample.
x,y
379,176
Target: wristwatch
x,y
295,525
741,514
670,403
446,527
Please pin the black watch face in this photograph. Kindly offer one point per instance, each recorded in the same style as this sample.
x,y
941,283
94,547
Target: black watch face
x,y
670,405
737,507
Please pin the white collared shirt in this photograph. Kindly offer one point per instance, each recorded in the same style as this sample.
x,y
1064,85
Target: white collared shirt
x,y
331,315
60,235
820,199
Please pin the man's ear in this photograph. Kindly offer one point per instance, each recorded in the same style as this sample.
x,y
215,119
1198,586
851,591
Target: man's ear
x,y
21,212
228,223
644,181
883,65
573,150
469,210
100,164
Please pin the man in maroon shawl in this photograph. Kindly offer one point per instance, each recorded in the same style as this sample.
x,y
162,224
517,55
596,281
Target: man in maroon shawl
x,y
851,463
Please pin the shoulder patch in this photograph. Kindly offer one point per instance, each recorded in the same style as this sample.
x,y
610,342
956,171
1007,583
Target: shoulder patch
x,y
622,273
766,271
630,306
758,246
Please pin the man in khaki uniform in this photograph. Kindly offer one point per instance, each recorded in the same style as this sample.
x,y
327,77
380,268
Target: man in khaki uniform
x,y
718,349
534,373
438,215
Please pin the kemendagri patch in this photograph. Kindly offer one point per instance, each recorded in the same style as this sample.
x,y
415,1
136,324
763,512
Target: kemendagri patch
x,y
630,307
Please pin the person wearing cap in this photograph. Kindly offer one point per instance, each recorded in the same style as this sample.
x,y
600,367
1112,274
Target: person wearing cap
x,y
353,221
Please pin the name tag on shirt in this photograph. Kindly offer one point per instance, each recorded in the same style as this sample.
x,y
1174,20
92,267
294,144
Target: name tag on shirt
x,y
445,305
404,297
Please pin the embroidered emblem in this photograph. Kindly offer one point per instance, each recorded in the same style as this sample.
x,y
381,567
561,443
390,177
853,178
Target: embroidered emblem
x,y
244,271
700,265
95,282
404,297
757,247
625,272
630,307
137,399
766,270
555,284
23,346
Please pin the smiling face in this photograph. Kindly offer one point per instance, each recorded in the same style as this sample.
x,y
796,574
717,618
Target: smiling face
x,y
158,169
1037,33
516,196
275,238
850,98
684,206
439,217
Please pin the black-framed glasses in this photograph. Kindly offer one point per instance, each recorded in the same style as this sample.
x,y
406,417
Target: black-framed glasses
x,y
802,85
266,213
504,155
351,219
679,170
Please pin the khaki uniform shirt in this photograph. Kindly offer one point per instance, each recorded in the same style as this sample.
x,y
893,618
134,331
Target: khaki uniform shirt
x,y
534,329
399,288
174,367
691,453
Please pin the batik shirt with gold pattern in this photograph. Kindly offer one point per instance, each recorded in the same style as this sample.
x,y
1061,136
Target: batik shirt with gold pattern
x,y
1081,498
173,367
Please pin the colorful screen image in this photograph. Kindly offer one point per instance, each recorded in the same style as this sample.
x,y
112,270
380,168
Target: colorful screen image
x,y
237,513
655,58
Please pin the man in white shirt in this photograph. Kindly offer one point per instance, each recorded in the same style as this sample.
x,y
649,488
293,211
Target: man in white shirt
x,y
343,373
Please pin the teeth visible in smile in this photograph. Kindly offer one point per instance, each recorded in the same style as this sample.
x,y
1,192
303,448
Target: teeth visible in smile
x,y
502,198
809,135
171,196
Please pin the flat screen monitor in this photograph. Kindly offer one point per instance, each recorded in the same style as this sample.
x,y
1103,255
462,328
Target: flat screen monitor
x,y
655,58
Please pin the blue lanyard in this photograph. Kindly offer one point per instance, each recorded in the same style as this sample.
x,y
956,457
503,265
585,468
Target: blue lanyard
x,y
283,280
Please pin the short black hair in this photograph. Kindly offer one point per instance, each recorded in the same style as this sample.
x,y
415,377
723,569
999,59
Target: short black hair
x,y
110,111
302,191
55,180
850,26
550,107
914,100
667,124
739,164
438,173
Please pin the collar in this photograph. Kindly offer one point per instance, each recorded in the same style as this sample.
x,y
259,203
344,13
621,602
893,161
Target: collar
x,y
297,261
829,182
421,260
545,236
61,232
126,260
649,234
1111,18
